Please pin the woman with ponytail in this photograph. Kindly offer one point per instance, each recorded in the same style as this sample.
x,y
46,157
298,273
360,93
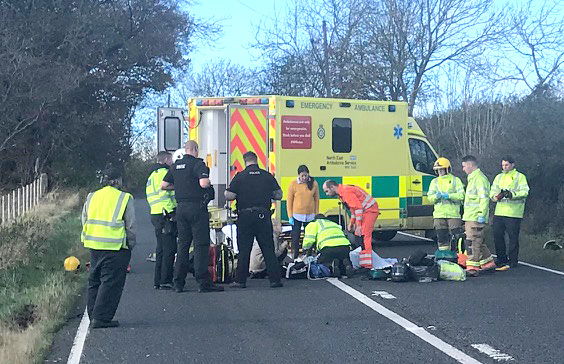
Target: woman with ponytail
x,y
302,204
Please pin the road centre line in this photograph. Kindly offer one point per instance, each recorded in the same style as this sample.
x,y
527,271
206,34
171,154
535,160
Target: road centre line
x,y
492,353
79,339
406,324
414,236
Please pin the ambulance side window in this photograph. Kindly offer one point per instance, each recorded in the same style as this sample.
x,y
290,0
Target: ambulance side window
x,y
422,156
342,135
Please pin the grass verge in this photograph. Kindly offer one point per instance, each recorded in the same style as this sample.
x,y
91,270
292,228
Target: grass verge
x,y
36,294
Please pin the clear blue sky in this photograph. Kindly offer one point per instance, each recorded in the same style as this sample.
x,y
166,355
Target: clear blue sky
x,y
237,29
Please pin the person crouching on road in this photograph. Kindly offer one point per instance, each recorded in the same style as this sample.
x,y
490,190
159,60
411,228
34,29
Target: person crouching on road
x,y
302,204
364,212
328,238
109,231
476,214
446,193
254,189
509,191
163,205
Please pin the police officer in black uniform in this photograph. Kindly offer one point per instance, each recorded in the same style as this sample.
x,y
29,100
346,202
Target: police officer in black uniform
x,y
254,189
189,177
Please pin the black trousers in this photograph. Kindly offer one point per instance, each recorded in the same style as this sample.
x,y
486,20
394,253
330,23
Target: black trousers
x,y
327,254
193,225
506,253
166,248
251,225
296,232
106,279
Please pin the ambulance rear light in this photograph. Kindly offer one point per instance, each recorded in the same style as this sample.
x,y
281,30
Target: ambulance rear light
x,y
254,101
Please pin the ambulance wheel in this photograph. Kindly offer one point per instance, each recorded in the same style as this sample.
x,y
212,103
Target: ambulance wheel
x,y
431,234
384,235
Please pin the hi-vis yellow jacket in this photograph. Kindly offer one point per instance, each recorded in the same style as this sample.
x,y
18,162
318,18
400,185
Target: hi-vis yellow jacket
x,y
446,208
516,182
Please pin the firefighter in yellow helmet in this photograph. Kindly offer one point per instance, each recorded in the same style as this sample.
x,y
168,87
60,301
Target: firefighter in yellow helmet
x,y
446,193
109,231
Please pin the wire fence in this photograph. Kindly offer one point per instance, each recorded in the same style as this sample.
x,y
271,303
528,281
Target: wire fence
x,y
21,200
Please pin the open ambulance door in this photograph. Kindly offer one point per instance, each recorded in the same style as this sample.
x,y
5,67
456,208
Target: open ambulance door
x,y
169,129
419,210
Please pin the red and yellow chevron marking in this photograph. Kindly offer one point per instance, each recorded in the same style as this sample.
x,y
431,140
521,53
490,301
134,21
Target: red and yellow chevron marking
x,y
272,155
192,113
248,133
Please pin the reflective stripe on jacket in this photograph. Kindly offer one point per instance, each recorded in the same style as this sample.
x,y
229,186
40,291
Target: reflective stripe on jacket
x,y
477,201
324,233
156,198
358,201
104,228
446,208
516,182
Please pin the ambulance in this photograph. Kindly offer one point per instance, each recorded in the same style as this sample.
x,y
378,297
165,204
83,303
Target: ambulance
x,y
371,144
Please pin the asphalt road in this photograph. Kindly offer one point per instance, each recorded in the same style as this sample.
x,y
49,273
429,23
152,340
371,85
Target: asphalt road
x,y
514,316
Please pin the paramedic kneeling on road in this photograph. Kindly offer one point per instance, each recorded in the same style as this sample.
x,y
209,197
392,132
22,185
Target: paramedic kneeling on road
x,y
364,212
331,243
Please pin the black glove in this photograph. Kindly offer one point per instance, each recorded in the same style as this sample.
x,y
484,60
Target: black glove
x,y
507,194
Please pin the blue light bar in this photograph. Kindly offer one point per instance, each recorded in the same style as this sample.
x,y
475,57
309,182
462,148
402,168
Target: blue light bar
x,y
264,100
198,102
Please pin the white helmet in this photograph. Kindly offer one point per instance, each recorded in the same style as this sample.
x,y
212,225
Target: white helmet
x,y
178,154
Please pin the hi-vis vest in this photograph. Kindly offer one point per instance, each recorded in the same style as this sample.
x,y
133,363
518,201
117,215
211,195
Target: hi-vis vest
x,y
104,228
516,182
476,201
325,233
156,198
446,209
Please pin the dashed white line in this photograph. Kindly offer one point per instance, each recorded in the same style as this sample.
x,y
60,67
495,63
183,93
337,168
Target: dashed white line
x,y
79,339
406,324
383,294
492,353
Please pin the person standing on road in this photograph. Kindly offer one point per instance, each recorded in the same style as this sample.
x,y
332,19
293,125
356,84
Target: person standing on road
x,y
364,212
109,231
509,191
254,189
476,214
163,206
331,243
189,177
446,192
302,204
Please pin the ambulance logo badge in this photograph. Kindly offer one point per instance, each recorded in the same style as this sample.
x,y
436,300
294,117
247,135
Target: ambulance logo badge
x,y
320,132
398,131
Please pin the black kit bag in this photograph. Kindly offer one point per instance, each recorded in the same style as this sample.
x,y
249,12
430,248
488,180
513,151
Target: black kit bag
x,y
400,272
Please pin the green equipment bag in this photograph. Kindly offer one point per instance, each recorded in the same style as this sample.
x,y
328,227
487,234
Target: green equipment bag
x,y
447,255
449,271
380,274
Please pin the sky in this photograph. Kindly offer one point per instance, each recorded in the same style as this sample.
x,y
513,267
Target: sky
x,y
237,28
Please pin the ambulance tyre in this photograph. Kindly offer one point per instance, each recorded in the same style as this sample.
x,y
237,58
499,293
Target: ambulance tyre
x,y
384,235
431,234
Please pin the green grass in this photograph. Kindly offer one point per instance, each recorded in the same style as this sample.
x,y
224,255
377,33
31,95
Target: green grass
x,y
36,293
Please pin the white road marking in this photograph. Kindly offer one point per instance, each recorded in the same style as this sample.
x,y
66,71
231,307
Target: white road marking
x,y
414,236
542,268
406,324
383,294
491,352
79,339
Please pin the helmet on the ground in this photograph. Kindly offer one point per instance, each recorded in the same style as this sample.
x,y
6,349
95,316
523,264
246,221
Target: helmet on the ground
x,y
71,263
178,154
441,163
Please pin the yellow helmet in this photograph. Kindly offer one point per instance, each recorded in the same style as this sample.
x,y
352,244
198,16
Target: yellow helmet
x,y
441,163
71,263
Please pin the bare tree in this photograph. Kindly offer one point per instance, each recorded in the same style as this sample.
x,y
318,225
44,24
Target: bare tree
x,y
534,46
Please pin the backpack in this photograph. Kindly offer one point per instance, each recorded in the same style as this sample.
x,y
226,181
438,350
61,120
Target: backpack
x,y
400,272
448,255
296,270
449,271
222,263
318,271
424,273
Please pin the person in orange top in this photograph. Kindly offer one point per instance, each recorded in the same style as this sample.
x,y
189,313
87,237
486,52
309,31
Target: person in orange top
x,y
363,207
302,204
